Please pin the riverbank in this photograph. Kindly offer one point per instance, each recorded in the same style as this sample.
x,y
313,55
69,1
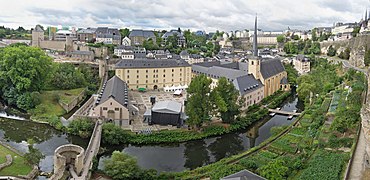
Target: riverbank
x,y
19,166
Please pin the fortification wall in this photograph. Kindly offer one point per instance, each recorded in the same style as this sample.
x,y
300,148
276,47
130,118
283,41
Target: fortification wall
x,y
53,45
65,155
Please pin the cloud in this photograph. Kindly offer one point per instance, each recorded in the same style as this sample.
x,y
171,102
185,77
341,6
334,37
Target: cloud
x,y
208,15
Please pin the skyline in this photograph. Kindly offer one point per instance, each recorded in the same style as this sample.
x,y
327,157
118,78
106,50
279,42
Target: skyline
x,y
159,14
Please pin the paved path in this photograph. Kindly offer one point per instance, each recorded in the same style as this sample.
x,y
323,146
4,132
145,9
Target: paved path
x,y
357,167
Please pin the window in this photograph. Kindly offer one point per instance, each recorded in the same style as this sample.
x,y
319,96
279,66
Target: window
x,y
116,109
252,62
128,71
172,70
172,80
146,76
180,79
146,71
146,81
137,76
137,82
105,108
172,75
128,82
153,76
128,76
164,70
164,75
137,71
180,70
154,70
180,74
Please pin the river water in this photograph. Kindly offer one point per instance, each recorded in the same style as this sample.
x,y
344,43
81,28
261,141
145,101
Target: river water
x,y
174,157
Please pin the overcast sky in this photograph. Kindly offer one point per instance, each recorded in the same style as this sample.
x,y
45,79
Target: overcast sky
x,y
207,15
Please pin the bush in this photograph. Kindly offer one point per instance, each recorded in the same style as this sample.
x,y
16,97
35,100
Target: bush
x,y
81,127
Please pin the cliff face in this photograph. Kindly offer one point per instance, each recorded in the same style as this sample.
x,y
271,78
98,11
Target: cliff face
x,y
357,46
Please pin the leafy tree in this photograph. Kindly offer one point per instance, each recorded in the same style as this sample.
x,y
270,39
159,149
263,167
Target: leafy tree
x,y
331,51
81,127
314,34
355,31
295,37
226,99
275,170
292,74
280,39
198,107
23,70
345,54
122,166
367,57
124,32
66,76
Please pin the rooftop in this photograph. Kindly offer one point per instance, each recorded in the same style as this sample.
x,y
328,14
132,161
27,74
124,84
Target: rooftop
x,y
150,63
117,89
246,84
271,67
170,107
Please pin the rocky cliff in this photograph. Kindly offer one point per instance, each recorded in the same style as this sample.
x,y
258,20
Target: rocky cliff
x,y
357,46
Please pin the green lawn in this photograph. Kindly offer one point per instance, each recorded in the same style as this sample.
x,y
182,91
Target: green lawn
x,y
49,103
19,165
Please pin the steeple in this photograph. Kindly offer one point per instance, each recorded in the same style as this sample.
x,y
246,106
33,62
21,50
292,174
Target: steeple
x,y
255,48
366,15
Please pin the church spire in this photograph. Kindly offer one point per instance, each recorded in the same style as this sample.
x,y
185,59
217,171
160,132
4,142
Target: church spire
x,y
365,15
255,48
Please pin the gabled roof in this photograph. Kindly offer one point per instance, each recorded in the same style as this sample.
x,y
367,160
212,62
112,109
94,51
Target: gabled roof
x,y
170,107
142,33
247,84
303,58
271,67
149,63
117,89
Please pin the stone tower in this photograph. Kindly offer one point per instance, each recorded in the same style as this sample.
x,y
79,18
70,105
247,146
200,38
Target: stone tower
x,y
103,66
37,36
254,64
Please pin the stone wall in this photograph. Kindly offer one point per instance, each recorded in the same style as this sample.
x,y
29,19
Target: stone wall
x,y
68,107
365,116
8,162
357,46
64,156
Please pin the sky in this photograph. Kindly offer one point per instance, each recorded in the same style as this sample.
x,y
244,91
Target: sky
x,y
208,15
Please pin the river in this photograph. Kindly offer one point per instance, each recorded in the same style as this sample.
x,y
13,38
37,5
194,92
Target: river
x,y
174,157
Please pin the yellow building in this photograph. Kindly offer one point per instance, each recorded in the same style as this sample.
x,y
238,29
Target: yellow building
x,y
270,72
302,64
165,74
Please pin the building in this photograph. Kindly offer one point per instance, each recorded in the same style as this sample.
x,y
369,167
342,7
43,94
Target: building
x,y
129,52
191,58
82,55
87,35
108,35
167,113
341,28
39,41
62,35
137,37
251,89
266,39
181,41
126,41
154,74
302,64
112,103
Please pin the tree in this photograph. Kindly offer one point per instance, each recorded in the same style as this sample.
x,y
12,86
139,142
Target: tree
x,y
355,31
66,76
225,97
23,70
122,166
314,34
274,170
124,32
367,57
331,51
198,107
280,39
345,54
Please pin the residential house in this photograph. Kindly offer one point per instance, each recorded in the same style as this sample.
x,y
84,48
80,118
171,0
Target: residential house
x,y
181,41
302,64
86,35
126,41
137,37
108,35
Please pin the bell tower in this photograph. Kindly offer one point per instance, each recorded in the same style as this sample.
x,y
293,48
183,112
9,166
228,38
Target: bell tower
x,y
254,63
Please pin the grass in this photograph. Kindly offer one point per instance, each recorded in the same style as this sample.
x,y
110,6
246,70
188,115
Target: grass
x,y
19,165
49,103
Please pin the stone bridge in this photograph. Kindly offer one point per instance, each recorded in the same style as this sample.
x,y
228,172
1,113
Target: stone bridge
x,y
75,159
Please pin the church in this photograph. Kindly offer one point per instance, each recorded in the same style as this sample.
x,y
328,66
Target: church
x,y
365,24
270,72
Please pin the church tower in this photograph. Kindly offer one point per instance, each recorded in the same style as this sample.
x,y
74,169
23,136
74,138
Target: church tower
x,y
254,63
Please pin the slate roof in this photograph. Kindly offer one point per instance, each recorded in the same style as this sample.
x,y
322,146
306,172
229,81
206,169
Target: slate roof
x,y
88,31
142,33
150,63
171,33
284,80
247,84
271,67
302,58
170,107
243,175
230,65
104,32
38,29
184,53
117,89
217,72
